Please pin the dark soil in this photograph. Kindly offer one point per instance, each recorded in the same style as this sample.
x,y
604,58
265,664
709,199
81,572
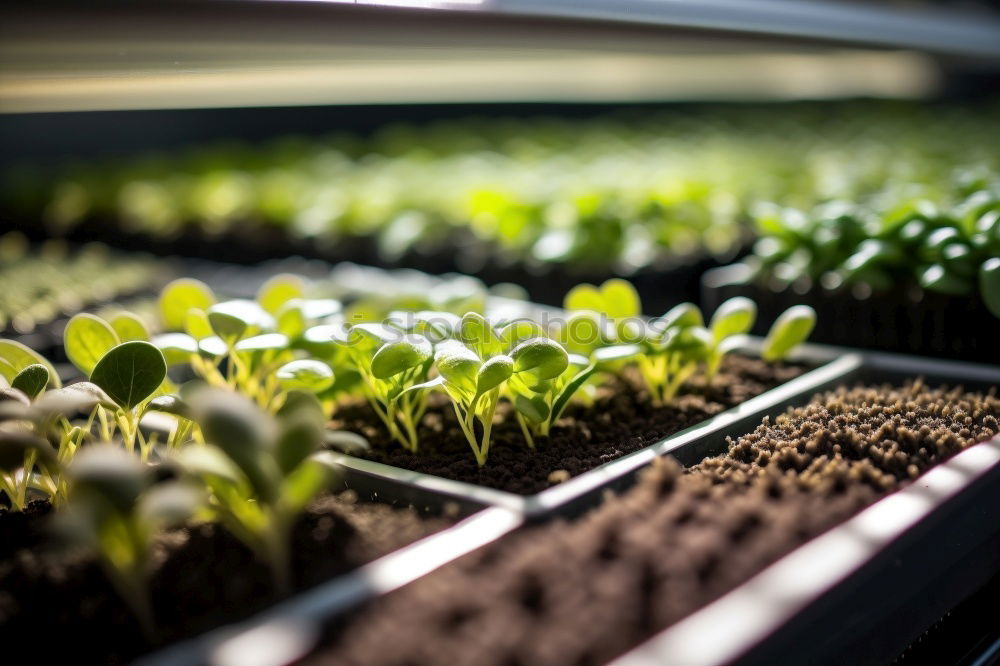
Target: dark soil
x,y
587,591
61,604
621,420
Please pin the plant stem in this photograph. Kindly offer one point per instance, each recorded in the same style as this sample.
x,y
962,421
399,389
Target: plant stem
x,y
527,433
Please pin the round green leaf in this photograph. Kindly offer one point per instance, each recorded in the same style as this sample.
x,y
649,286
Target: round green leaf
x,y
197,325
458,364
478,334
791,328
228,327
87,339
32,380
291,318
279,290
19,357
620,299
494,372
683,316
180,296
584,297
396,357
130,372
129,327
306,374
541,357
734,317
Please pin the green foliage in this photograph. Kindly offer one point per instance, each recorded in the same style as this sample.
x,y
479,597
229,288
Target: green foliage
x,y
602,193
87,339
394,367
260,471
791,328
32,380
483,364
941,241
117,511
181,296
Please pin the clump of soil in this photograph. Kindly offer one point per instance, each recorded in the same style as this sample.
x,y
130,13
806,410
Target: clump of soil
x,y
621,420
585,592
62,604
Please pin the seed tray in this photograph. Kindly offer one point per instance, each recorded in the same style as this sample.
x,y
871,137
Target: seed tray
x,y
847,596
571,497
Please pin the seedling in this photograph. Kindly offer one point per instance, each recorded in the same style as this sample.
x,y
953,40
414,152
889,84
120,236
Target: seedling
x,y
475,370
733,318
130,374
394,367
789,330
673,348
260,471
115,510
21,450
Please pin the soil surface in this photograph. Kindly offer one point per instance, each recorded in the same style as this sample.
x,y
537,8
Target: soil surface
x,y
587,591
60,603
621,420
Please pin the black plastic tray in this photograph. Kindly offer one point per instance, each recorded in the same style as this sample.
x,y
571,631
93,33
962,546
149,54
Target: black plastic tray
x,y
688,444
859,593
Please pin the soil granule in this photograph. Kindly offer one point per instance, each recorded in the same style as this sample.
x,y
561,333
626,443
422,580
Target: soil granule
x,y
621,420
60,604
587,591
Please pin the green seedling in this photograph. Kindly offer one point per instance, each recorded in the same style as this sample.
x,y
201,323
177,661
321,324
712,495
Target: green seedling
x,y
732,319
260,471
672,349
27,461
475,370
130,374
789,330
394,367
115,509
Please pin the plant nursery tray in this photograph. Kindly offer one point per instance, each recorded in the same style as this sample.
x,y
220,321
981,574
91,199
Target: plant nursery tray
x,y
862,591
832,365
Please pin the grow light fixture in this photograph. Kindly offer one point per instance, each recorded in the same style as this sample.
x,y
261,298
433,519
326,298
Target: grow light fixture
x,y
479,77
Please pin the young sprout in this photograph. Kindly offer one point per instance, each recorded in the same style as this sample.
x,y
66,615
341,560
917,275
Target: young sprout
x,y
394,367
21,450
789,330
673,346
116,510
260,471
733,318
130,374
539,404
475,370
